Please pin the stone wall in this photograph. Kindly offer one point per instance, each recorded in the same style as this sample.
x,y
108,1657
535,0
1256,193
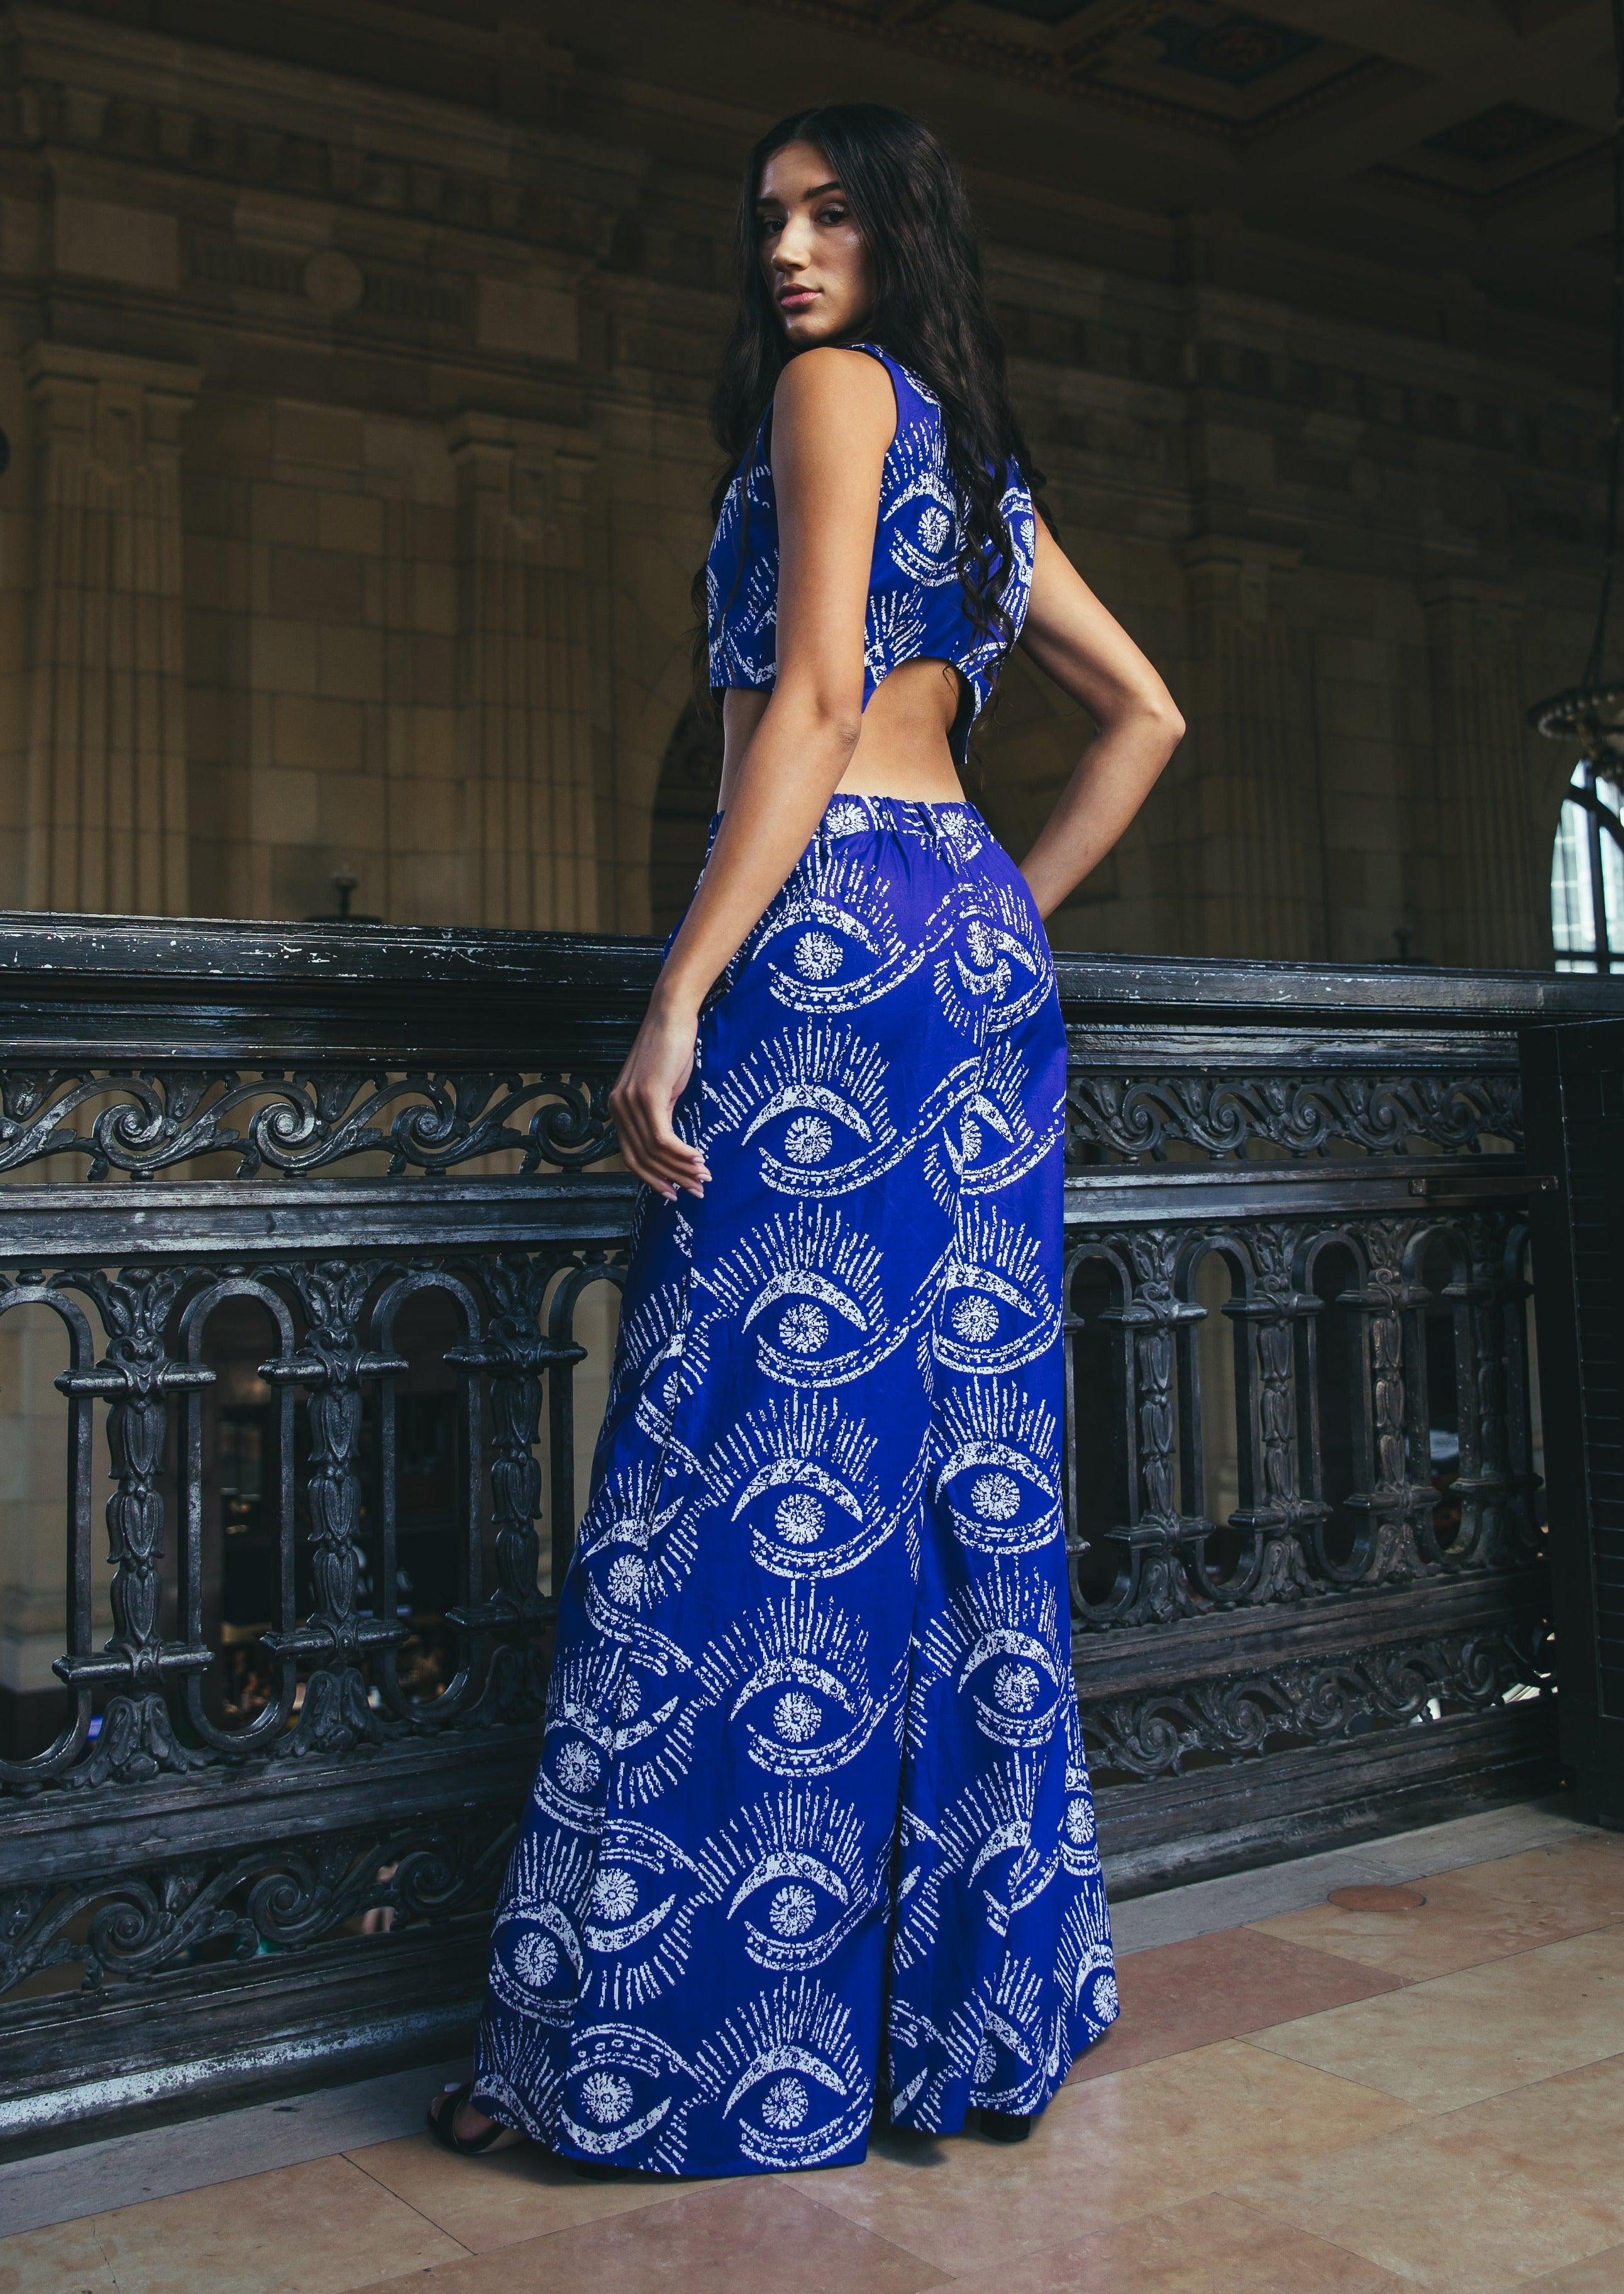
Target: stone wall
x,y
360,468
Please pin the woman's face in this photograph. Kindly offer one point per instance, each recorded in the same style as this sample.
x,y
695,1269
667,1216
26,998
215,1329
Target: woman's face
x,y
812,256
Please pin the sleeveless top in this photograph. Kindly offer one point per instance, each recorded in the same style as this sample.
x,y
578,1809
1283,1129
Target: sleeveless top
x,y
916,607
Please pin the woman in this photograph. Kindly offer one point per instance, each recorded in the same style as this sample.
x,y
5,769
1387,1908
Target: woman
x,y
812,1844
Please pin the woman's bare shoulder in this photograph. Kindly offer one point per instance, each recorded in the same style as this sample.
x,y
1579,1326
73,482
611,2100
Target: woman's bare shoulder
x,y
830,388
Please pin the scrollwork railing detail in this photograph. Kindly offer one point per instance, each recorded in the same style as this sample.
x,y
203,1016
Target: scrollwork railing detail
x,y
1141,1117
141,1123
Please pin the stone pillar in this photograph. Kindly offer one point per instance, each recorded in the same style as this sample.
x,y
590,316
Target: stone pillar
x,y
1252,863
1490,901
106,804
524,686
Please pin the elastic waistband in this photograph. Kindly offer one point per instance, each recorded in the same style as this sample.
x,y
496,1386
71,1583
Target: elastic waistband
x,y
953,821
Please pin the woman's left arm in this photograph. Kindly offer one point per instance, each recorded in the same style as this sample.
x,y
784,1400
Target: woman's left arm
x,y
1089,654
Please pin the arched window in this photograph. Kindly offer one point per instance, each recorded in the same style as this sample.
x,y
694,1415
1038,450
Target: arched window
x,y
1587,875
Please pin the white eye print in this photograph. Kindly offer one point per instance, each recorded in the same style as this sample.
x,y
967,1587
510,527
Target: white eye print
x,y
793,1676
647,1893
1000,1643
995,1468
787,2076
794,1876
628,2091
537,1958
797,1476
1000,1311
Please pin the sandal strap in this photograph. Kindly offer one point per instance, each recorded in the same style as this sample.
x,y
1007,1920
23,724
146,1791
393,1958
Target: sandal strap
x,y
443,2123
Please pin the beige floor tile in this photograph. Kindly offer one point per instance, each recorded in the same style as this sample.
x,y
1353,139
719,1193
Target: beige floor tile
x,y
65,2260
1590,1870
1598,2274
1474,2200
495,2201
1457,2038
1209,2246
1475,1913
749,2235
321,2228
1179,1996
1102,2152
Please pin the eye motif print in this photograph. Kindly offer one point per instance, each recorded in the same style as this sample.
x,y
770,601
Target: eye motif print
x,y
648,1364
995,1467
987,1839
918,510
912,2045
796,1476
995,2041
795,1675
787,2076
894,629
994,1143
804,1288
635,1552
519,2076
998,1309
620,1730
1078,1837
628,2088
1085,1975
537,1959
829,942
638,1927
922,1871
811,1104
997,1646
792,1876
1000,961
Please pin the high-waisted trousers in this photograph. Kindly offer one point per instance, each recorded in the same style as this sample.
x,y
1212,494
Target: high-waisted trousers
x,y
811,1833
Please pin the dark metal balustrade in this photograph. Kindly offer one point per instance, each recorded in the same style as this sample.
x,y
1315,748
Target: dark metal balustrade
x,y
314,1212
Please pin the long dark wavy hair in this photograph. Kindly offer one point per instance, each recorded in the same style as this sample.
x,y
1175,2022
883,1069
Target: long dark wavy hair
x,y
930,312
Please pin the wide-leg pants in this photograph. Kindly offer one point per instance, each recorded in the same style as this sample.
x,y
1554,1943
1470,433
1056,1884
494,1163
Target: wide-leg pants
x,y
813,1826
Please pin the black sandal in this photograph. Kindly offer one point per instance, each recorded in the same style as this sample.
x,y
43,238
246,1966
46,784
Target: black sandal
x,y
442,2124
1003,2125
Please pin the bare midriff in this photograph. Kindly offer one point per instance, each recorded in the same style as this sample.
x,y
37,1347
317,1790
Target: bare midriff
x,y
902,749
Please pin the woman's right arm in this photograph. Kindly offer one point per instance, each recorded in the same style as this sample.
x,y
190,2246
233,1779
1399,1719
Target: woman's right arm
x,y
834,414
1089,654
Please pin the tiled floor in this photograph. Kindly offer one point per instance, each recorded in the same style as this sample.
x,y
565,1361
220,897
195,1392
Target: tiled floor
x,y
1313,2101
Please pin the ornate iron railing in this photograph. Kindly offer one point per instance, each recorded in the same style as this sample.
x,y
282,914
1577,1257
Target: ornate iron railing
x,y
312,1218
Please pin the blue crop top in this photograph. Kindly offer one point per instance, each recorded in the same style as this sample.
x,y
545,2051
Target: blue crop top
x,y
917,607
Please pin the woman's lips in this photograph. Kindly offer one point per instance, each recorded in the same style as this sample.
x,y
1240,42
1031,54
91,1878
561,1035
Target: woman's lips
x,y
797,298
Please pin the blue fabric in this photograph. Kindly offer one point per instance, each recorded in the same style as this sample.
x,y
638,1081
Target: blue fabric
x,y
916,601
813,1817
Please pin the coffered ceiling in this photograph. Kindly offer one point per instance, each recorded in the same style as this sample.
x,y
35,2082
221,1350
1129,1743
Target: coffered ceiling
x,y
1479,116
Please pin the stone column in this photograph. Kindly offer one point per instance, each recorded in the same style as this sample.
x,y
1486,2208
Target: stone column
x,y
1249,774
1491,900
106,804
524,696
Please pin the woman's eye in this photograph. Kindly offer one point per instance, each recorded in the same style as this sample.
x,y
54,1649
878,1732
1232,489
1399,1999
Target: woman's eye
x,y
833,214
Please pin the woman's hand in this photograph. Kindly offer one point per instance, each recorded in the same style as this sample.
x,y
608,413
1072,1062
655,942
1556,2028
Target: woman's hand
x,y
657,1070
